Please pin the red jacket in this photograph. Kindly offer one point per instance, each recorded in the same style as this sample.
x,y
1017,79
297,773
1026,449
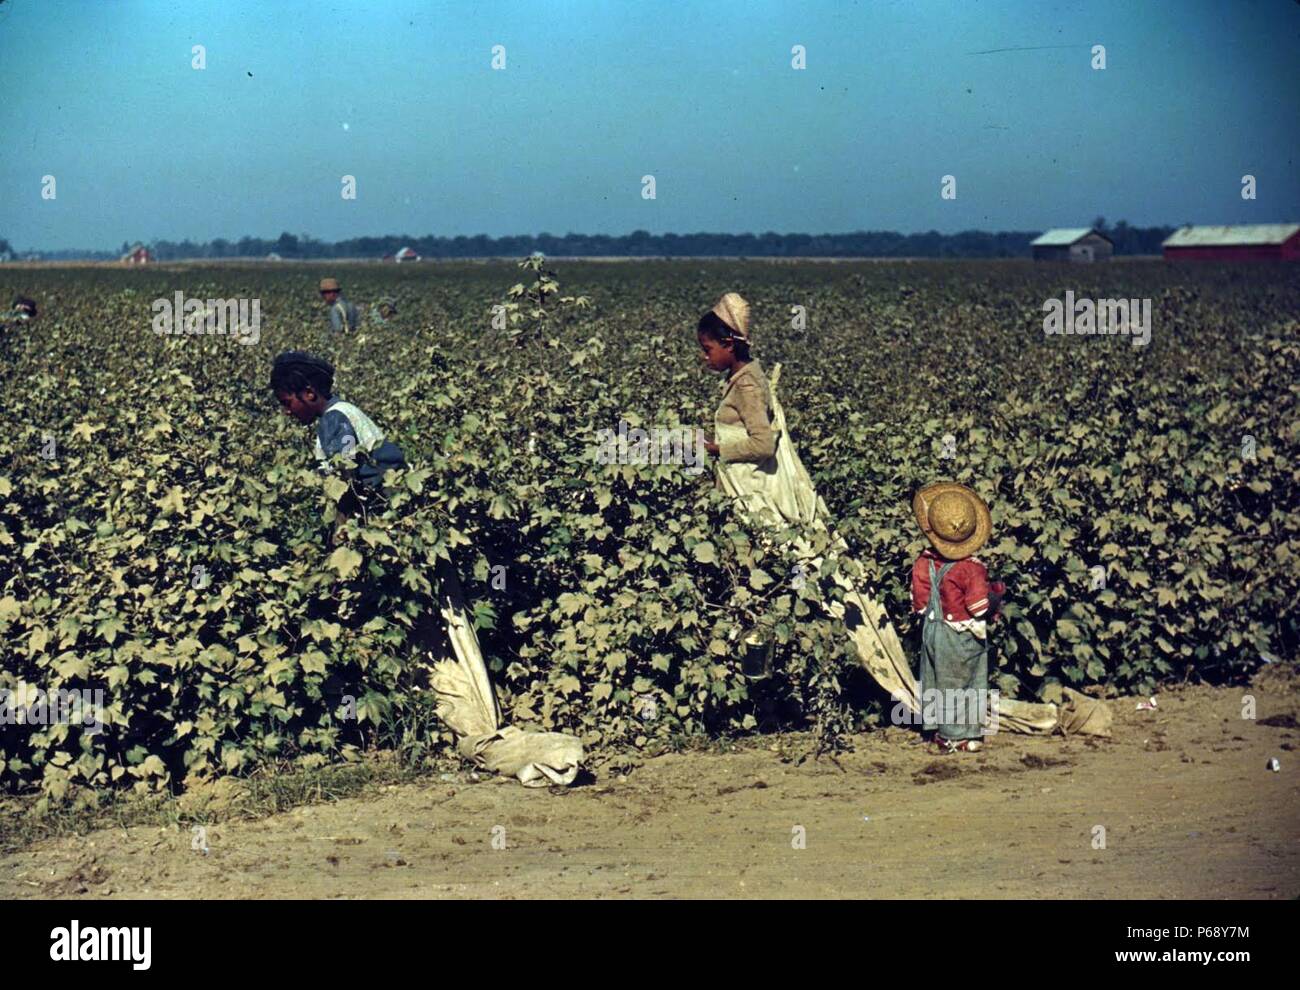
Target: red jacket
x,y
964,591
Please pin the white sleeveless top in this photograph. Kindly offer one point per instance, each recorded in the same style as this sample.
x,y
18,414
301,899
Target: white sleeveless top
x,y
369,436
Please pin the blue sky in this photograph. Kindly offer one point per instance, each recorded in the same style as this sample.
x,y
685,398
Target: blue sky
x,y
101,95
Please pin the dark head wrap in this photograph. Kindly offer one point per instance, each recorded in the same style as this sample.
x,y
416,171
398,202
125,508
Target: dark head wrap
x,y
294,371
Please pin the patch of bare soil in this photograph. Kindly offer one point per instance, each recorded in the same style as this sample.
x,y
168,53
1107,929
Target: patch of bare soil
x,y
1180,803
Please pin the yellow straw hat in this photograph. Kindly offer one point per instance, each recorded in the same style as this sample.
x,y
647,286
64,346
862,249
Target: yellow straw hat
x,y
954,519
734,312
329,285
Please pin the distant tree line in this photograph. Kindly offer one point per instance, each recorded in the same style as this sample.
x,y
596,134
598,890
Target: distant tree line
x,y
641,243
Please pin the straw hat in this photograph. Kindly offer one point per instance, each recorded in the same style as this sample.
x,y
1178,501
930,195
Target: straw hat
x,y
329,285
954,519
734,312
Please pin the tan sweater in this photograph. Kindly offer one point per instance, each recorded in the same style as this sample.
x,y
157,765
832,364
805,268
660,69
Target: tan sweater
x,y
745,399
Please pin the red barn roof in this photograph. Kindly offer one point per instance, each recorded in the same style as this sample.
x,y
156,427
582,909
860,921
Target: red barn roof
x,y
1247,241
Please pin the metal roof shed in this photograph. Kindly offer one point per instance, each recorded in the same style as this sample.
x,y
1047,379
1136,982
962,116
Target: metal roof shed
x,y
1235,242
1072,244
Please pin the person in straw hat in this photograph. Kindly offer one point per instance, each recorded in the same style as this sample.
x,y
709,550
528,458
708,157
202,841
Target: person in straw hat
x,y
950,587
343,315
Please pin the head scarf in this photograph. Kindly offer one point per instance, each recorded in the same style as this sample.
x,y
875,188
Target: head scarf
x,y
734,312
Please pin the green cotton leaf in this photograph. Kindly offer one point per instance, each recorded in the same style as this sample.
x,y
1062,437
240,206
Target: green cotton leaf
x,y
568,684
759,578
571,604
280,671
55,782
345,561
314,662
326,630
415,580
37,640
415,480
1068,629
706,553
173,501
110,627
335,488
70,665
372,708
485,616
68,629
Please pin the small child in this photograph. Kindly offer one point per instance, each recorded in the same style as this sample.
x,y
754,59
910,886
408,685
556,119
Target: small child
x,y
951,587
302,384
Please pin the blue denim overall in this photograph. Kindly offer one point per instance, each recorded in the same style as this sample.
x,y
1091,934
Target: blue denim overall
x,y
954,665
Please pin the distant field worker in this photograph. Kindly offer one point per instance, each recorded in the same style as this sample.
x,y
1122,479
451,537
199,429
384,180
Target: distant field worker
x,y
23,311
303,384
383,311
343,315
950,588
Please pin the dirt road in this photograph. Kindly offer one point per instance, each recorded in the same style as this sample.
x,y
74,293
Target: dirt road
x,y
1185,798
